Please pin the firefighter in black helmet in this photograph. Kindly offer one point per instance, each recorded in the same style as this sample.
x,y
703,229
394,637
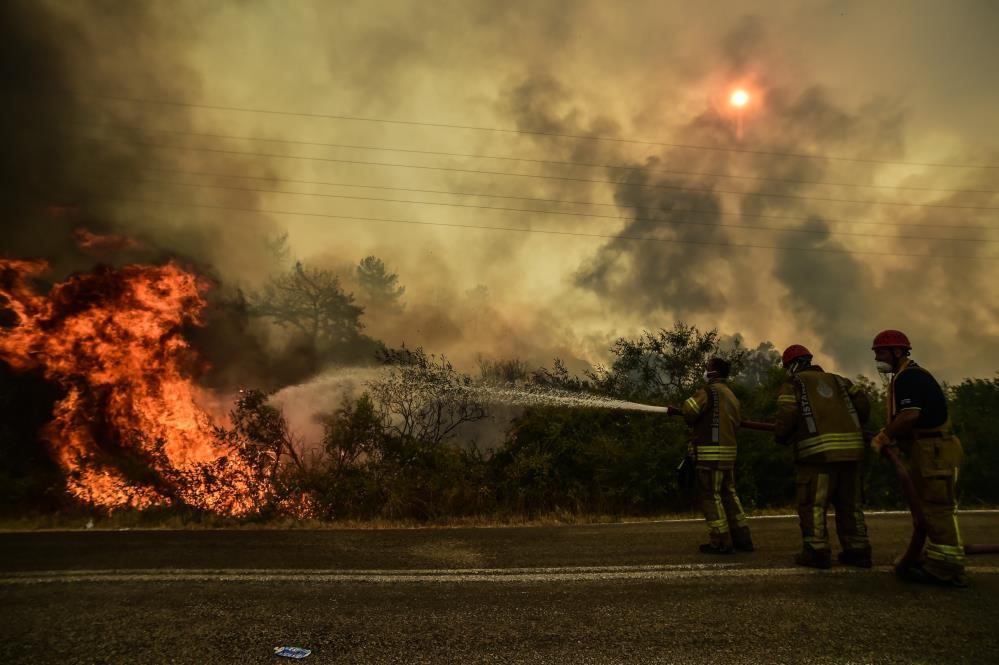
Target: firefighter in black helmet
x,y
919,424
712,413
820,415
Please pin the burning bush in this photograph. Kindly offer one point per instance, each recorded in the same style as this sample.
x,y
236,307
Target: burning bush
x,y
129,431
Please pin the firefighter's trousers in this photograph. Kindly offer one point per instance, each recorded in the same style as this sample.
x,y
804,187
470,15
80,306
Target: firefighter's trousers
x,y
934,464
726,521
839,484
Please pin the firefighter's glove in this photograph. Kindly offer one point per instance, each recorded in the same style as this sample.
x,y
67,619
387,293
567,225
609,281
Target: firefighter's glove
x,y
880,440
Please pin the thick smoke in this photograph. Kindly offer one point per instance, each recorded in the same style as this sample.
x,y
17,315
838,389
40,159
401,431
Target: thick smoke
x,y
827,292
816,288
581,69
83,159
48,186
85,171
834,290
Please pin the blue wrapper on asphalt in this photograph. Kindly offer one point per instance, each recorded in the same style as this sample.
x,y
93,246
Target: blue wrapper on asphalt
x,y
292,652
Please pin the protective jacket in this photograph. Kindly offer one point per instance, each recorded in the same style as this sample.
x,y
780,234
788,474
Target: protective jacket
x,y
820,414
712,413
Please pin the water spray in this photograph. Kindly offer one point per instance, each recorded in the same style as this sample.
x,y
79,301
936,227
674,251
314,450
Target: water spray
x,y
552,397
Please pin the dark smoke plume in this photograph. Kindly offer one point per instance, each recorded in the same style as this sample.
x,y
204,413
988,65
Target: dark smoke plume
x,y
76,160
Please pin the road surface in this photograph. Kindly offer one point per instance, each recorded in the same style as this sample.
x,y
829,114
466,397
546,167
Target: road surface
x,y
618,593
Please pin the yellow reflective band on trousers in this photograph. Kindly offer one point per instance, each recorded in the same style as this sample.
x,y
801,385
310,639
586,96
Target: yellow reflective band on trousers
x,y
837,484
739,516
716,485
819,540
858,539
717,526
710,483
948,554
943,556
952,555
823,443
787,399
723,514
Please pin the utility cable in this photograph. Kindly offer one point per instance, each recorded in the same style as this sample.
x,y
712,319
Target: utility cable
x,y
667,222
443,125
547,162
545,177
261,211
694,211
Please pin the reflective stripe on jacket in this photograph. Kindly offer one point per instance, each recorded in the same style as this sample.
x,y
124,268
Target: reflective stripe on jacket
x,y
816,414
713,416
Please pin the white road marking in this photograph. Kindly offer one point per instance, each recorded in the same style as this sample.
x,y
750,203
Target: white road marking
x,y
782,516
489,575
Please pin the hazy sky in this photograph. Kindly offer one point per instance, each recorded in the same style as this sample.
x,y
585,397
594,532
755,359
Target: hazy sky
x,y
623,231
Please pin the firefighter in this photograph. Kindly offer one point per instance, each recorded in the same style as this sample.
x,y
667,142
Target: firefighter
x,y
820,415
919,425
712,414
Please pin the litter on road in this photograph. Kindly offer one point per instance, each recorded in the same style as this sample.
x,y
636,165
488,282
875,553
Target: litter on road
x,y
292,652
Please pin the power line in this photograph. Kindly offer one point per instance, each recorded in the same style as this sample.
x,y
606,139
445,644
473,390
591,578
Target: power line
x,y
666,222
611,139
694,211
829,250
548,162
545,177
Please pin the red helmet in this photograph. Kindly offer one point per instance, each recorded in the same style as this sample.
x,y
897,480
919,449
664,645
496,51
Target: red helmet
x,y
794,352
889,339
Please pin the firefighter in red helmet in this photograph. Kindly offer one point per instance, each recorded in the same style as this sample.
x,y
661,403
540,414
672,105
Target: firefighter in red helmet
x,y
919,424
712,413
820,414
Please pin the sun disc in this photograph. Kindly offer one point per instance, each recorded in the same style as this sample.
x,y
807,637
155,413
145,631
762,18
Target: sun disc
x,y
739,98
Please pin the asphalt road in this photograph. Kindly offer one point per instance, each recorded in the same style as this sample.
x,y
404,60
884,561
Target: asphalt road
x,y
622,593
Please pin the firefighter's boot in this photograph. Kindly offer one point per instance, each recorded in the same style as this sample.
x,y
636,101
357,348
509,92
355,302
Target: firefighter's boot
x,y
856,557
917,573
814,558
720,543
742,539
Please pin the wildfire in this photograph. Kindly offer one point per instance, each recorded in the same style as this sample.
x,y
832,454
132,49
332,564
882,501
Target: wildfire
x,y
129,431
107,242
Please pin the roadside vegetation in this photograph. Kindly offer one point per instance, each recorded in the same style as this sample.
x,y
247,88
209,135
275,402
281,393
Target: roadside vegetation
x,y
394,456
404,451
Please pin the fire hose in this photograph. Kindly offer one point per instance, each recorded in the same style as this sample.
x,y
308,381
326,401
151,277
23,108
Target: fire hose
x,y
919,531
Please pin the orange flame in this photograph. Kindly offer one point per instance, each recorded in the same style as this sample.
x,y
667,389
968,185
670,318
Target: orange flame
x,y
129,431
106,242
